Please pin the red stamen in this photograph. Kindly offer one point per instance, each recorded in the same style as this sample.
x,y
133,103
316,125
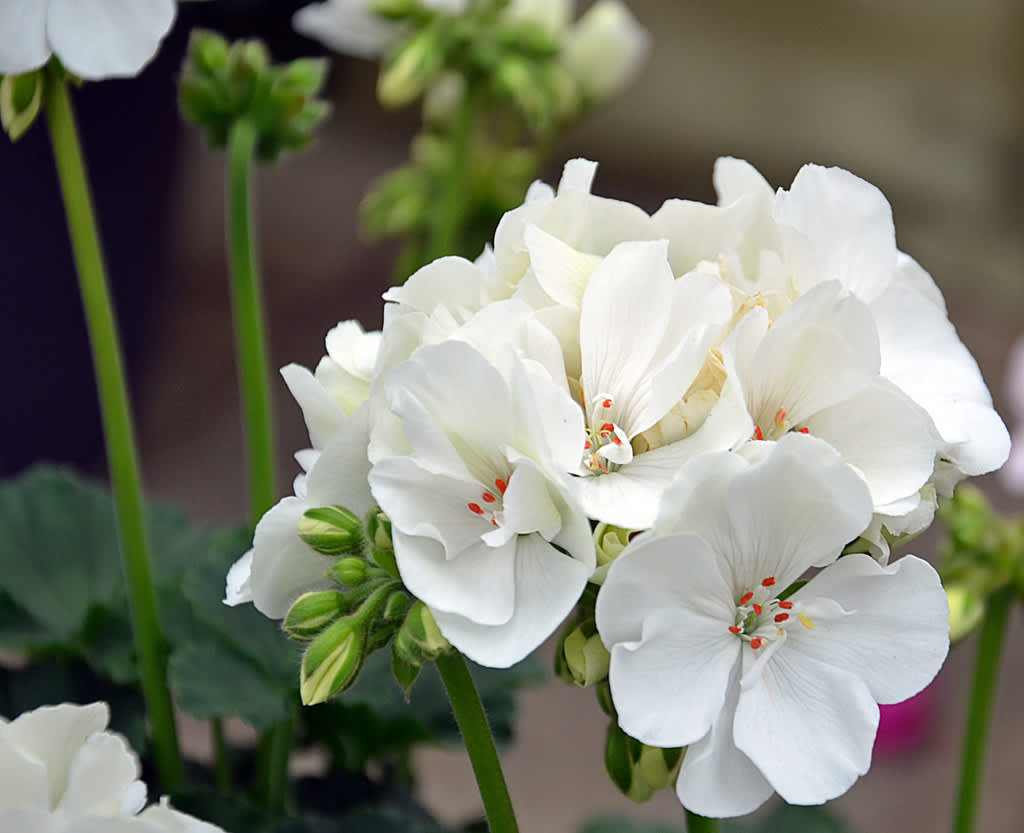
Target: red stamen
x,y
475,507
502,485
735,629
607,428
494,522
607,403
803,430
758,609
616,440
757,432
786,605
488,497
768,582
781,617
780,417
746,597
587,445
755,643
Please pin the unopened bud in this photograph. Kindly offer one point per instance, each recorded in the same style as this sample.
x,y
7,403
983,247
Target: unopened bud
x,y
609,542
349,571
21,97
411,69
518,80
395,9
396,606
332,661
605,50
638,770
586,657
331,530
209,51
381,546
966,610
312,612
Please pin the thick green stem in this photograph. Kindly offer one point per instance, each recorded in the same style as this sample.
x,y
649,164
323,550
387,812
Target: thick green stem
x,y
476,733
447,228
251,342
118,431
275,753
979,712
221,767
700,824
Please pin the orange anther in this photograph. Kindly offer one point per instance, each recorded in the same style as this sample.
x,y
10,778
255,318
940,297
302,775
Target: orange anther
x,y
803,430
757,432
780,417
587,444
616,440
607,426
494,522
786,605
475,507
768,582
781,617
735,629
502,485
746,597
488,497
758,609
756,642
607,403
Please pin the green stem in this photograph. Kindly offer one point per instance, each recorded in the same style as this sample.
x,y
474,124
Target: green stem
x,y
446,230
251,346
221,769
118,431
275,753
700,824
979,712
476,733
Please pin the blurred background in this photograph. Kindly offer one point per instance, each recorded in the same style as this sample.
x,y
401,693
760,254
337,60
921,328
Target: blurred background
x,y
924,98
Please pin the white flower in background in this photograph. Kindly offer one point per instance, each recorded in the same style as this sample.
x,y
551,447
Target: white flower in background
x,y
485,529
605,50
768,693
1013,472
94,39
60,772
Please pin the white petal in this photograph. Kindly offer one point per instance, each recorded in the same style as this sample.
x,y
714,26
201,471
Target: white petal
x,y
24,782
527,504
452,283
561,270
34,819
54,734
108,38
669,680
896,634
346,26
170,820
808,727
103,779
605,49
716,779
339,475
737,178
238,588
548,584
23,46
477,585
323,416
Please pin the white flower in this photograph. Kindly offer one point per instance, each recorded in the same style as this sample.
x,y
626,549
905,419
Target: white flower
x,y
769,694
485,529
280,567
60,772
1013,472
605,49
94,39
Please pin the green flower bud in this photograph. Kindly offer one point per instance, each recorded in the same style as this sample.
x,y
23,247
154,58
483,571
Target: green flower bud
x,y
312,612
381,547
396,606
517,79
397,204
411,68
609,541
586,657
331,530
332,661
395,9
21,97
966,610
209,51
638,770
350,571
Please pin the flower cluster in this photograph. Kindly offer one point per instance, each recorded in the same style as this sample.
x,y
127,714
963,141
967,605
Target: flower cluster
x,y
760,388
63,773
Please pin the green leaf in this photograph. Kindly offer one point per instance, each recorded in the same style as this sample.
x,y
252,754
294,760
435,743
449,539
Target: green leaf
x,y
795,819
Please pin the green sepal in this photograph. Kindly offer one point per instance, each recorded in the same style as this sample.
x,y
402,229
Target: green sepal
x,y
382,550
412,67
639,770
405,672
312,612
21,99
586,657
332,661
331,530
350,571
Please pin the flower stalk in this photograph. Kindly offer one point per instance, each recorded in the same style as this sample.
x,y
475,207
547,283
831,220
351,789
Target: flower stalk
x,y
979,711
118,430
476,733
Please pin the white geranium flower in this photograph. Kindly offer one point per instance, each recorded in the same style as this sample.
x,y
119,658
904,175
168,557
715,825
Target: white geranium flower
x,y
768,693
644,337
280,567
94,39
605,49
60,772
485,529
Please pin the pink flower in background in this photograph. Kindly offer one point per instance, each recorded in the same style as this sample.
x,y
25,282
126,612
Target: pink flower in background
x,y
1012,473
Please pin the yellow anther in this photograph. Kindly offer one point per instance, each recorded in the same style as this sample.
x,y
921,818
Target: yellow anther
x,y
806,621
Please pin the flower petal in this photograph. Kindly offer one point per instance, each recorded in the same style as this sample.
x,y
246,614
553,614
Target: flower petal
x,y
323,416
108,38
104,779
23,46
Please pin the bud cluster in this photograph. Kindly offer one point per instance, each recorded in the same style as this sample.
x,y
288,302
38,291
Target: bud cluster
x,y
366,609
223,84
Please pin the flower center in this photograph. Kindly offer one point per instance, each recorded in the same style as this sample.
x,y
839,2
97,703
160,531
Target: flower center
x,y
762,617
779,426
607,446
490,505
